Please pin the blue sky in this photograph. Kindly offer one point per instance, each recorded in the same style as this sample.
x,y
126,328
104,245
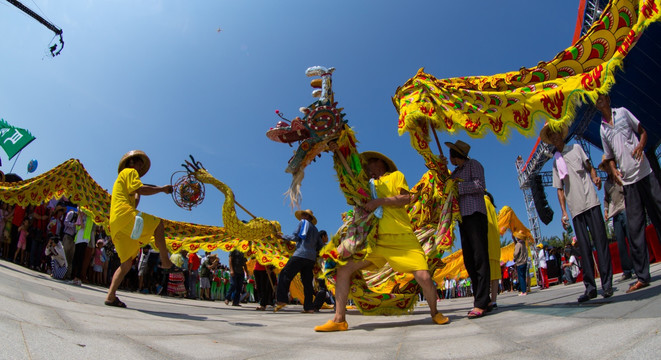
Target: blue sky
x,y
158,76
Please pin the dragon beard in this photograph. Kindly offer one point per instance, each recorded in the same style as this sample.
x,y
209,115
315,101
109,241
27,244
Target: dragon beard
x,y
294,192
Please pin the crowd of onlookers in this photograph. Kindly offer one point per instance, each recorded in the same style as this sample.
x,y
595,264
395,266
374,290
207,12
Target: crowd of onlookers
x,y
563,265
59,239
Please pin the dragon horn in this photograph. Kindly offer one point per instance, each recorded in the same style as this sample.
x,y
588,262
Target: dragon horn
x,y
190,167
198,165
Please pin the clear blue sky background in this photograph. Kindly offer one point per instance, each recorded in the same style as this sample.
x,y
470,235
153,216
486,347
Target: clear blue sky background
x,y
158,76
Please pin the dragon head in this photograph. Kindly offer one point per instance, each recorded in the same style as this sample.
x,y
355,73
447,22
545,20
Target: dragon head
x,y
320,123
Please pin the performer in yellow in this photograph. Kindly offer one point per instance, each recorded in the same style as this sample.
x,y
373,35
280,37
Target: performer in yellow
x,y
125,197
494,249
395,244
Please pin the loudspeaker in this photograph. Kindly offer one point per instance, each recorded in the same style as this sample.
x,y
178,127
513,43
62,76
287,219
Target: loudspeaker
x,y
539,197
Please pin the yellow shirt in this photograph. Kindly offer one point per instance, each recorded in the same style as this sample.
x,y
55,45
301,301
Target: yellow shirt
x,y
395,219
122,205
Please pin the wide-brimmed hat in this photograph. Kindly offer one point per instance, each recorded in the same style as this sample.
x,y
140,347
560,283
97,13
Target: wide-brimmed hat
x,y
135,153
459,146
546,131
300,213
367,155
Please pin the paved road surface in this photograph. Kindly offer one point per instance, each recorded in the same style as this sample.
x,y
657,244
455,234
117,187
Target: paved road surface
x,y
41,318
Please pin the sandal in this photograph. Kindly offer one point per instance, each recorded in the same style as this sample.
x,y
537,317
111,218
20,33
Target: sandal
x,y
638,285
475,314
260,308
279,307
116,303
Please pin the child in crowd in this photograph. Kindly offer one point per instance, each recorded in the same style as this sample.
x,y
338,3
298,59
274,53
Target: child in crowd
x,y
55,249
99,259
23,232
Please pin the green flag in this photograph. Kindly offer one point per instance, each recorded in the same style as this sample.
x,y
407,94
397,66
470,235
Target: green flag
x,y
13,139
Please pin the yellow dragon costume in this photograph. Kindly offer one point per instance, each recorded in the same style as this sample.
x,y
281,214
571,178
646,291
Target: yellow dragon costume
x,y
432,214
70,179
550,91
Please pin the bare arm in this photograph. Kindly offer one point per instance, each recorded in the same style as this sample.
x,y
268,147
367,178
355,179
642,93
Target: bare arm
x,y
563,207
617,175
593,173
398,200
151,189
606,202
638,151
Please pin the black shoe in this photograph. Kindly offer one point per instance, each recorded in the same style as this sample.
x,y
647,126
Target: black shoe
x,y
586,297
607,293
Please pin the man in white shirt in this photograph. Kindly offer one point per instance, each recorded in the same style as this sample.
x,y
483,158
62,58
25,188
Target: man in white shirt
x,y
642,192
573,176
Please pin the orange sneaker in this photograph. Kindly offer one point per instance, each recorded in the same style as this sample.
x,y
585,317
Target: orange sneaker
x,y
331,325
440,319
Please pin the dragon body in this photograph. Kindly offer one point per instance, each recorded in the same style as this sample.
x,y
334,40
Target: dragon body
x,y
71,180
432,212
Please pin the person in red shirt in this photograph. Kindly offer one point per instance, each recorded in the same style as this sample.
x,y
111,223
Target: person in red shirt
x,y
193,274
264,286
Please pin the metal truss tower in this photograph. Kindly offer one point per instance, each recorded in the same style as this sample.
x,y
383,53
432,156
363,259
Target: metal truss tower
x,y
526,171
531,211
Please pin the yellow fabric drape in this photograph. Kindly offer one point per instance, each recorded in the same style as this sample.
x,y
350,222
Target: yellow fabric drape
x,y
550,91
507,220
453,264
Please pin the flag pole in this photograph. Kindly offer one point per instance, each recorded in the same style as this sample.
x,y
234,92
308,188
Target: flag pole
x,y
17,155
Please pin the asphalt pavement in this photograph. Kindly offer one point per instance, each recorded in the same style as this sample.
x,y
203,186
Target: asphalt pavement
x,y
42,318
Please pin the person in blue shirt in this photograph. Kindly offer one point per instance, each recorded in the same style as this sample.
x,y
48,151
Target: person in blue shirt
x,y
308,243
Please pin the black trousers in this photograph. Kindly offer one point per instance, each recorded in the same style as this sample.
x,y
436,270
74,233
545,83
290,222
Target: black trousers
x,y
294,266
639,198
590,223
264,288
78,256
322,296
474,243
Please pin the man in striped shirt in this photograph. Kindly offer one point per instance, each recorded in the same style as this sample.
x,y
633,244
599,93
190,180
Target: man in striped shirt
x,y
473,228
